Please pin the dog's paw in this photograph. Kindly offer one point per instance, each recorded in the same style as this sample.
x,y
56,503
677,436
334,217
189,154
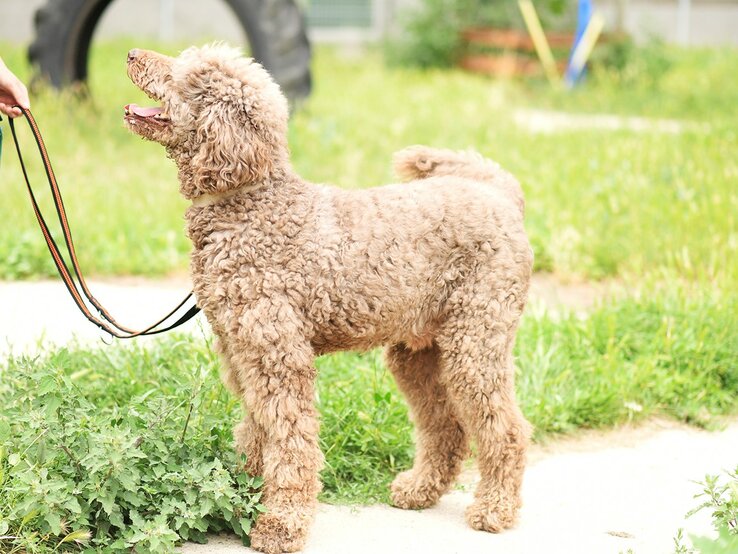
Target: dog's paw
x,y
274,534
412,492
491,518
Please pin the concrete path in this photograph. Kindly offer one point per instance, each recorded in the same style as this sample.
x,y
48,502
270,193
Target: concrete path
x,y
549,121
599,493
41,314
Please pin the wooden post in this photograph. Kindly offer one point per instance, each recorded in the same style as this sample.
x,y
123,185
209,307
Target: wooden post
x,y
539,40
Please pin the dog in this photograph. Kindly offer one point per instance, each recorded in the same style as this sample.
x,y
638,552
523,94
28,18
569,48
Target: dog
x,y
435,268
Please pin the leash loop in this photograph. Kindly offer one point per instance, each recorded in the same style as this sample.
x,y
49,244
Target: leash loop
x,y
78,288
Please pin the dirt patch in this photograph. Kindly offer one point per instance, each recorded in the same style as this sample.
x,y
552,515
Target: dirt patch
x,y
590,440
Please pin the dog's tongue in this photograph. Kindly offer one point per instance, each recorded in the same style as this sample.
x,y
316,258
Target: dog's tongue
x,y
141,112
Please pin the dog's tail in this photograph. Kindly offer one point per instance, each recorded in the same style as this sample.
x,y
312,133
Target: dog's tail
x,y
420,162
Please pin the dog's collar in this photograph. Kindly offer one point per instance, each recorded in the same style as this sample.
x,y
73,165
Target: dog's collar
x,y
208,199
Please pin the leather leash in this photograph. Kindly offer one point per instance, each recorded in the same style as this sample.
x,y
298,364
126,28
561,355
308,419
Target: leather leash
x,y
78,289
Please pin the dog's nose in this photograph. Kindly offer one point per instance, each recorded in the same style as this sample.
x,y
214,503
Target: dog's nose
x,y
132,55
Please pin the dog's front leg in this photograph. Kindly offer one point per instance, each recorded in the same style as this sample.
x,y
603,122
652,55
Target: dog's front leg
x,y
277,378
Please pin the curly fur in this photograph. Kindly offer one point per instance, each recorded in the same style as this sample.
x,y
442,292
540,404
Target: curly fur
x,y
437,269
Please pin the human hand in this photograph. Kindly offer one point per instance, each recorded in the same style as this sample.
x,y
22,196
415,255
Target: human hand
x,y
12,92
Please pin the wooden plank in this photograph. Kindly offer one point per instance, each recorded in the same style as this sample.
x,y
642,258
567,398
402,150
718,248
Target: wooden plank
x,y
512,38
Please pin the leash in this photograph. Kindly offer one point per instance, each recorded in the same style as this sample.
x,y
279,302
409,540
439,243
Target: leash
x,y
78,289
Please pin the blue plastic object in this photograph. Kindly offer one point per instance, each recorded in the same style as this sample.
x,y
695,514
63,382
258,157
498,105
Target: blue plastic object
x,y
584,14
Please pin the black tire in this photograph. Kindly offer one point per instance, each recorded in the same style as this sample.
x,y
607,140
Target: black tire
x,y
275,30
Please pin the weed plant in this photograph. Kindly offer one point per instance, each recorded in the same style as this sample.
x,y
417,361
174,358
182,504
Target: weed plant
x,y
719,496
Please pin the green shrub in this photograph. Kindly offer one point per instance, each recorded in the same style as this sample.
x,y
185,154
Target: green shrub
x,y
431,32
629,64
720,496
124,456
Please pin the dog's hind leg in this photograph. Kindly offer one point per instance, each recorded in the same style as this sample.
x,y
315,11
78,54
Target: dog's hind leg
x,y
476,363
442,445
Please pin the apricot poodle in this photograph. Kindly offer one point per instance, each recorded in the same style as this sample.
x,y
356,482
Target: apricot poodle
x,y
436,269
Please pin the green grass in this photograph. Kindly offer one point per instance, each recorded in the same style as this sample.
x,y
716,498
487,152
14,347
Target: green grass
x,y
671,353
593,196
656,81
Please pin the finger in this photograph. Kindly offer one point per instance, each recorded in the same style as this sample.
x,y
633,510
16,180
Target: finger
x,y
21,95
10,111
13,91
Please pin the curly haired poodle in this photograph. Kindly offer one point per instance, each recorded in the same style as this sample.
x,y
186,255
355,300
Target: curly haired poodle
x,y
436,269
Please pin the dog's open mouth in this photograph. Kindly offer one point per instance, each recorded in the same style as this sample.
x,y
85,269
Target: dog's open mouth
x,y
134,113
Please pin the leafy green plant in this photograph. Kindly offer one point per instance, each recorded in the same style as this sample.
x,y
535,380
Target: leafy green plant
x,y
720,496
431,30
430,34
554,15
131,467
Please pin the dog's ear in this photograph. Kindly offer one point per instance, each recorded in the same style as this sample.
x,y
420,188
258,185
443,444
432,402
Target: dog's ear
x,y
240,127
232,151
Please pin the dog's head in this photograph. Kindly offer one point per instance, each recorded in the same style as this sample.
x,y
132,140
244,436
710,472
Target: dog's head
x,y
221,116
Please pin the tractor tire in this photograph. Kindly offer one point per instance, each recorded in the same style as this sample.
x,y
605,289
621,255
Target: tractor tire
x,y
275,30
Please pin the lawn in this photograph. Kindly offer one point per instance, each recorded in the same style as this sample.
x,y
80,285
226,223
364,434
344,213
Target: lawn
x,y
593,195
654,211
